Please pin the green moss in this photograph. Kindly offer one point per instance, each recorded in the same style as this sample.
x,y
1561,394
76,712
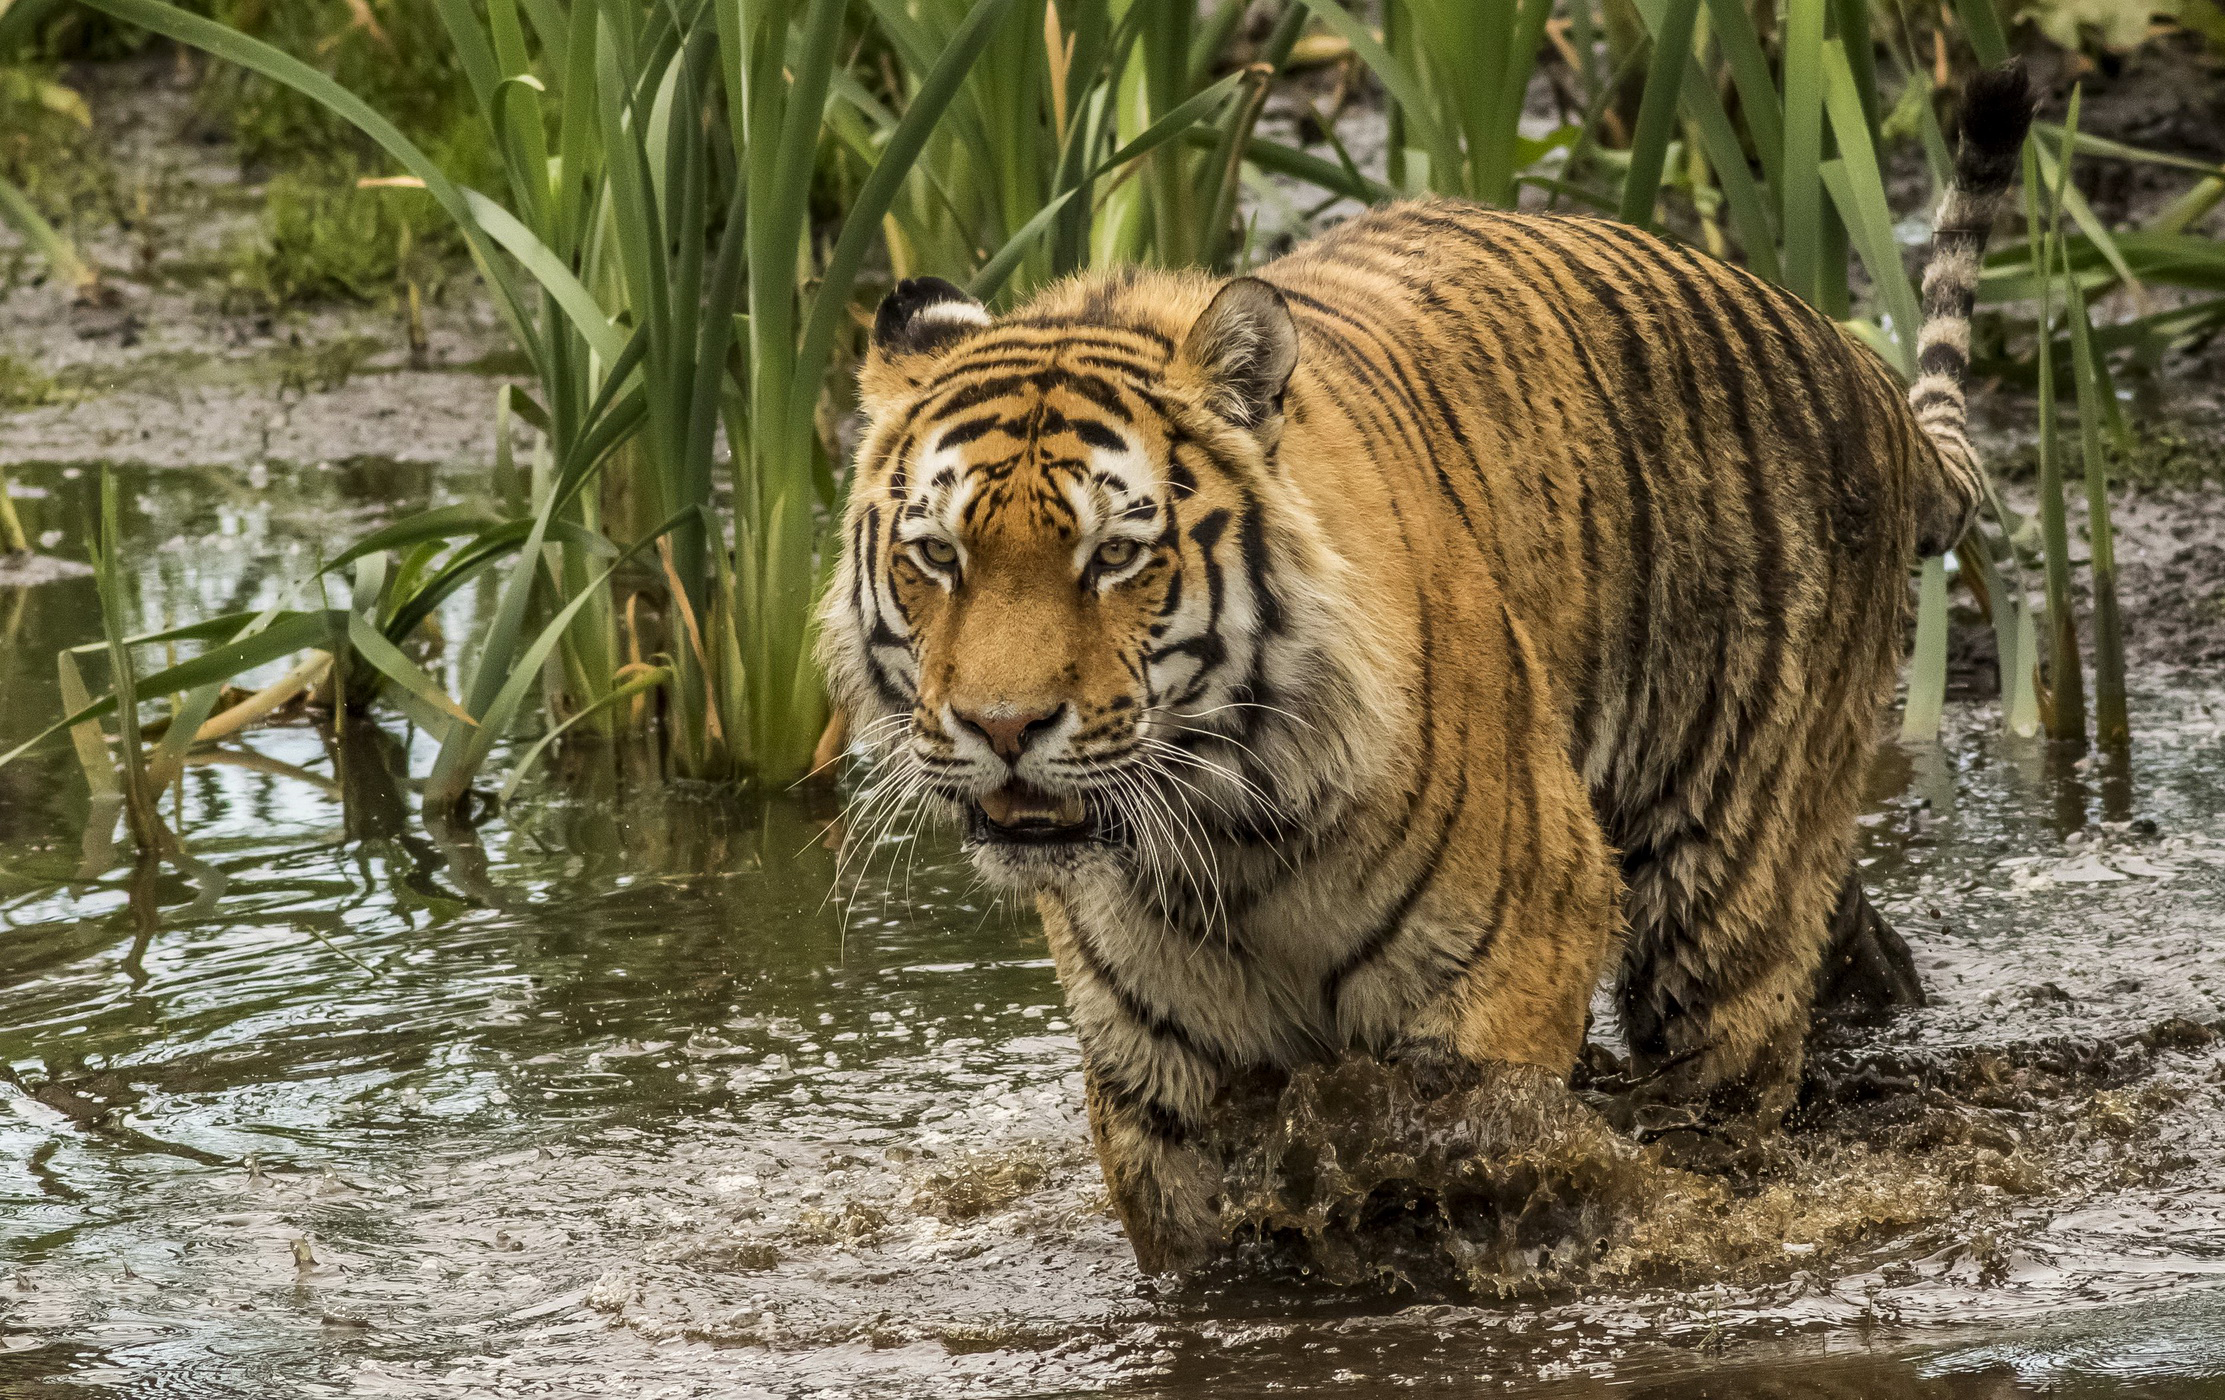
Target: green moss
x,y
2158,455
48,150
24,387
394,54
2163,456
325,366
321,237
325,239
508,360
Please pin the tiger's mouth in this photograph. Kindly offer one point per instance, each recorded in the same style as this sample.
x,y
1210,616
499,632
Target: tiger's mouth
x,y
1021,814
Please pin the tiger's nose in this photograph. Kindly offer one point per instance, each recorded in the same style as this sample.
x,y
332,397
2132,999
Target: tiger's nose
x,y
1009,735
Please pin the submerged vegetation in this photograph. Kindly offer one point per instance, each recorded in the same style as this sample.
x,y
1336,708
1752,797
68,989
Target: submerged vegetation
x,y
683,213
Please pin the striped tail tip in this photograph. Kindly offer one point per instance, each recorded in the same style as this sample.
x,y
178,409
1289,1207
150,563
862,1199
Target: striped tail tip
x,y
1996,115
1997,110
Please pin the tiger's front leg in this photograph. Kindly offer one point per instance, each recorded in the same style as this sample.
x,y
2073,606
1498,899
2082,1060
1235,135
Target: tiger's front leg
x,y
1514,958
1164,1188
1148,1088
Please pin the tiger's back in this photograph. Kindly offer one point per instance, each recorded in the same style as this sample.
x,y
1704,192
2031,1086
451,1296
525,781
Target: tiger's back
x,y
1700,497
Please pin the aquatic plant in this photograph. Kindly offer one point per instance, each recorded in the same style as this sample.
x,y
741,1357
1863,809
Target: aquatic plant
x,y
2083,266
689,199
46,170
1086,135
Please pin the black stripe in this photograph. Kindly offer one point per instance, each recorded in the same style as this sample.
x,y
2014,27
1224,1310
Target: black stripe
x,y
1379,939
1206,647
1941,358
1141,1107
1153,1022
1486,542
1094,332
1096,434
1258,569
1767,566
1098,390
1638,619
967,431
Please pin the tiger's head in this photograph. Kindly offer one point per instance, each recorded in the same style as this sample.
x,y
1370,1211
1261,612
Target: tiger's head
x,y
1077,605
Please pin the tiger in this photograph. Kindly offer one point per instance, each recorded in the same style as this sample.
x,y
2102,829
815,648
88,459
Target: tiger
x,y
1374,653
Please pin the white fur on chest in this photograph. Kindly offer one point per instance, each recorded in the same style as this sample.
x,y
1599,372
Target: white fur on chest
x,y
1253,984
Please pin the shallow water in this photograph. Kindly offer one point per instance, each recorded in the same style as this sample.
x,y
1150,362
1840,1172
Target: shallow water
x,y
614,1098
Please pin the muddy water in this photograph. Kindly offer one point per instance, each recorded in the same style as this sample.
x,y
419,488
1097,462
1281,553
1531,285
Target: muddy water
x,y
615,1098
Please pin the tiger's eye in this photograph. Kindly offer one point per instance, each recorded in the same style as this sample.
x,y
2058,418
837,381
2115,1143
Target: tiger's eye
x,y
1117,554
940,552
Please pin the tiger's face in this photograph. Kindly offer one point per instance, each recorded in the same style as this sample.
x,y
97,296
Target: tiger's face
x,y
1057,571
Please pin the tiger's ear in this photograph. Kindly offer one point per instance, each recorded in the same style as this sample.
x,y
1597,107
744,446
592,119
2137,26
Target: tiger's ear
x,y
922,314
1241,351
919,319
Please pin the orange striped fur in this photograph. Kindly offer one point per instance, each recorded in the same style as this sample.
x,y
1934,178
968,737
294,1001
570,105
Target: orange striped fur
x,y
1343,656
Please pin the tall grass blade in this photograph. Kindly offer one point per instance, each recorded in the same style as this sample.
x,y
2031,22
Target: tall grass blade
x,y
475,743
139,794
1414,106
2112,722
881,187
2020,677
499,664
85,736
1331,177
1657,110
649,680
13,538
1981,25
1006,260
1800,188
97,849
586,315
2057,175
2002,595
1750,210
61,255
1857,186
2066,680
393,663
186,718
1758,102
1927,672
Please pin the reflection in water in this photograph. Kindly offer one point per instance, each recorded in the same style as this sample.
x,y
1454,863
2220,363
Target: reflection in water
x,y
619,1093
2115,767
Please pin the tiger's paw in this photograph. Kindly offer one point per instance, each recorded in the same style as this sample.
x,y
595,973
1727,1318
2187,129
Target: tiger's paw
x,y
1436,1067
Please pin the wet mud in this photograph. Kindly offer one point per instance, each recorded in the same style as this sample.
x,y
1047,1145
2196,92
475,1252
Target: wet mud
x,y
1354,1175
1516,1185
165,367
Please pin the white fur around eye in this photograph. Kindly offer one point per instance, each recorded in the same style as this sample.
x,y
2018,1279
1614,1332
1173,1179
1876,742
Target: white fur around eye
x,y
932,552
1101,576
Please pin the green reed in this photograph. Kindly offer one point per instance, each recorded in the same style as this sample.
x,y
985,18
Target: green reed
x,y
1082,137
2064,272
696,201
618,178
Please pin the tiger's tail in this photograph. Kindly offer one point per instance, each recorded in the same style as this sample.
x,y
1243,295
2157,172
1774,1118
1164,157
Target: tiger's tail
x,y
1996,114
